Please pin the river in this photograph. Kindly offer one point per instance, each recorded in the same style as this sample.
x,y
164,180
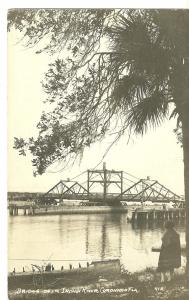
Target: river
x,y
65,239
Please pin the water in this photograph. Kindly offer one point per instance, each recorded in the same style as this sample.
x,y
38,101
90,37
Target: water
x,y
82,238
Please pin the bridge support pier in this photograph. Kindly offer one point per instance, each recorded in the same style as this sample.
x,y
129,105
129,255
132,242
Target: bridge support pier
x,y
135,216
31,211
11,211
14,211
154,215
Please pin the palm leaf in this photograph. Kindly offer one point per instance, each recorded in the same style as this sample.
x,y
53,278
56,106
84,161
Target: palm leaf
x,y
151,111
142,45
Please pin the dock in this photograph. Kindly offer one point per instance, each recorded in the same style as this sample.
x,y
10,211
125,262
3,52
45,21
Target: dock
x,y
152,214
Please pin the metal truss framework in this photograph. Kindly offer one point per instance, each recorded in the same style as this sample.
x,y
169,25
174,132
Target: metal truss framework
x,y
149,190
67,190
140,191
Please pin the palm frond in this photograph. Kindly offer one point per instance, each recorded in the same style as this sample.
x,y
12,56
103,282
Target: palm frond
x,y
142,44
151,111
128,87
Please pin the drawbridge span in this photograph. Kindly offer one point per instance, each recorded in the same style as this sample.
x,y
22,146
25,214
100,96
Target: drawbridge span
x,y
110,186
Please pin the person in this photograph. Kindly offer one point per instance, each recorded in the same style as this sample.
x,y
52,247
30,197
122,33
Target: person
x,y
170,253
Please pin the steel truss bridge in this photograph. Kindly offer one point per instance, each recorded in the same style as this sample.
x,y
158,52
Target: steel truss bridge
x,y
116,186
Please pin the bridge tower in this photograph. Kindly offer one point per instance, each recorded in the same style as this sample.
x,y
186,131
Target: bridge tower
x,y
105,178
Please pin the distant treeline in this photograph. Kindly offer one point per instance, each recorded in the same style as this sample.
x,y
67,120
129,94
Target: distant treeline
x,y
22,196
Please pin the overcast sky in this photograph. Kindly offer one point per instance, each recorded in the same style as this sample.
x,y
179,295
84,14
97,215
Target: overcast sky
x,y
157,154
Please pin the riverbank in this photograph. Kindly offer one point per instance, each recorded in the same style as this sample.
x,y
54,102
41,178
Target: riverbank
x,y
130,286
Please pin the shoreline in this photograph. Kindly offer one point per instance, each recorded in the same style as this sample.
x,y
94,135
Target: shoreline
x,y
141,285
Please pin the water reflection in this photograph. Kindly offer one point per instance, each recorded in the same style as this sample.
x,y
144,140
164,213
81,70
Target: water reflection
x,y
103,235
84,238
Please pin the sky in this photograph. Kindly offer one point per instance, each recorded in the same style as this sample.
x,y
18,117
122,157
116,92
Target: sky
x,y
156,154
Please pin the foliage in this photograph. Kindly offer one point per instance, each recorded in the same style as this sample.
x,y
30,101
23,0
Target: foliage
x,y
179,135
121,70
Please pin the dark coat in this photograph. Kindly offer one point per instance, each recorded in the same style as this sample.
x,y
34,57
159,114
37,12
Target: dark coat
x,y
170,253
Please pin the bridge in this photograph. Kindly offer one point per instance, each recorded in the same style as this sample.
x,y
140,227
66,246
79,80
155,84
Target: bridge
x,y
110,187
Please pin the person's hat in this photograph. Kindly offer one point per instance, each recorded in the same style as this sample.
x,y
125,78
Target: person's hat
x,y
169,224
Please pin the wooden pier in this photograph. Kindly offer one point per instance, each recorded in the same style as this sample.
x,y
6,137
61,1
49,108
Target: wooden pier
x,y
27,207
156,214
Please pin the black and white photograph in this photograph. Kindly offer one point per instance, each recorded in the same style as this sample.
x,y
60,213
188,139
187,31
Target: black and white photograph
x,y
98,153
